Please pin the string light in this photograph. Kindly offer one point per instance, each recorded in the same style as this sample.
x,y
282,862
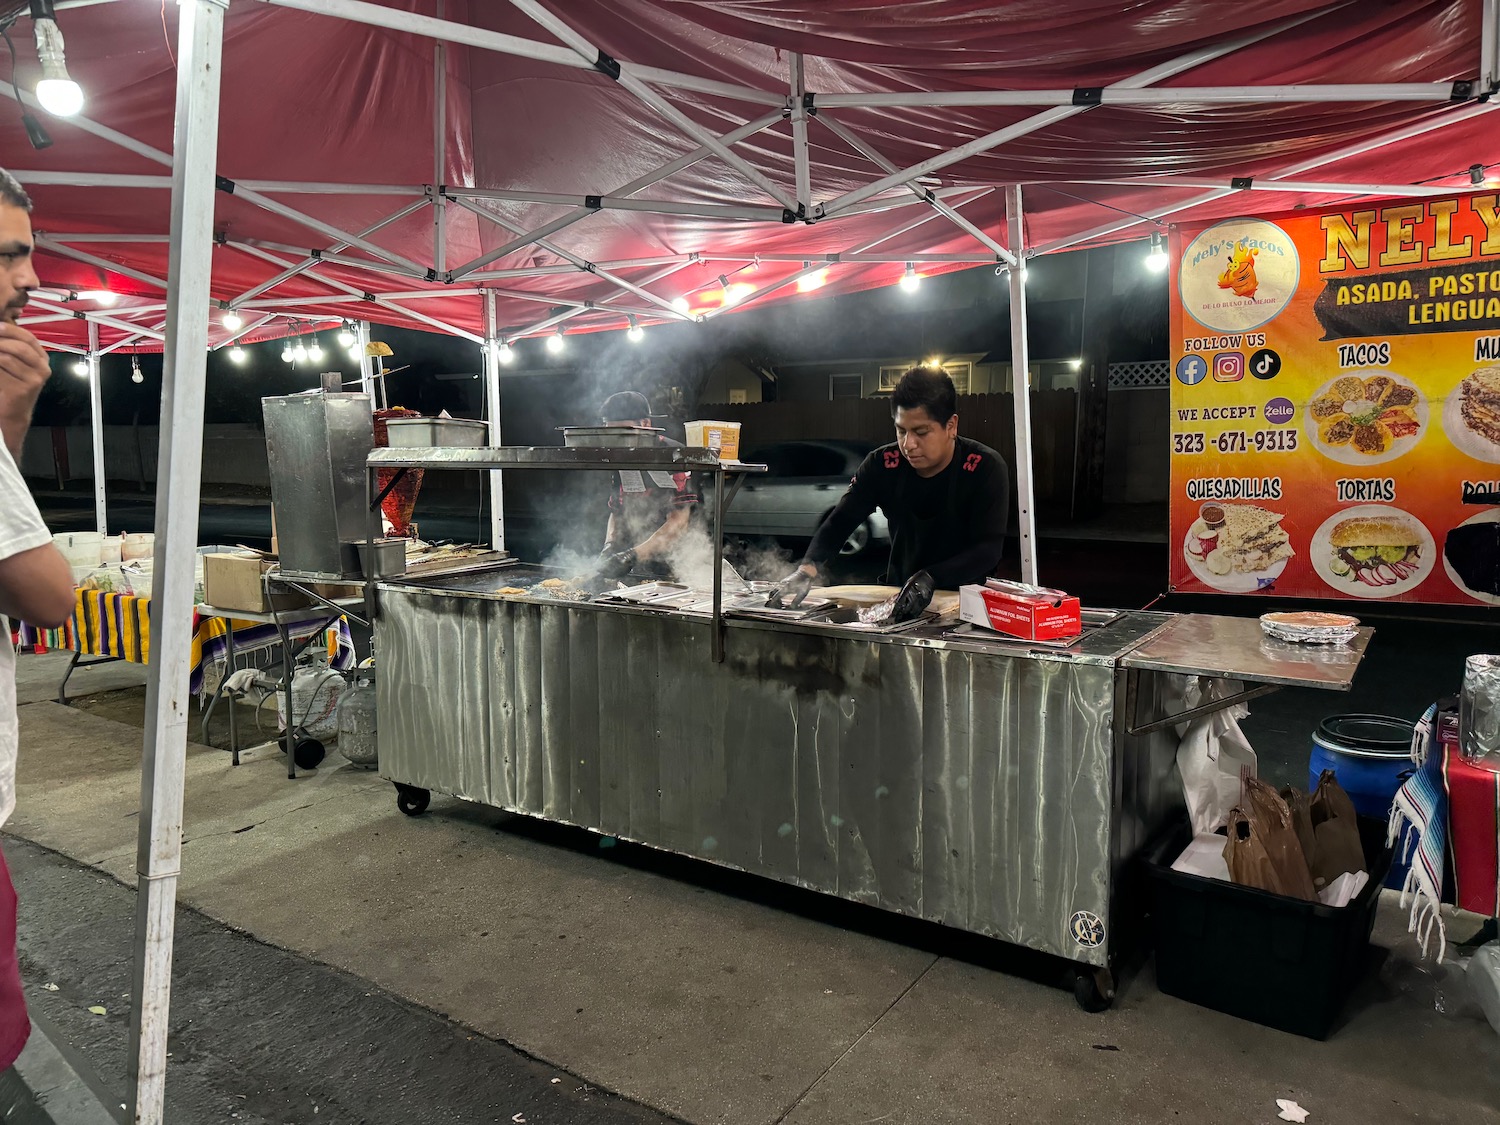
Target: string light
x,y
1156,260
80,367
100,296
555,342
236,355
287,355
135,370
232,321
681,304
315,353
57,93
635,333
299,353
810,281
911,280
346,337
506,353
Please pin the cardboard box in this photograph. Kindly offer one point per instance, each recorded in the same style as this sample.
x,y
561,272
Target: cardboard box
x,y
1043,616
233,581
722,436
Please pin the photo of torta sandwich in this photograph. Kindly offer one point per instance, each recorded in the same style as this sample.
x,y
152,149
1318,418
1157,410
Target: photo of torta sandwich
x,y
1373,551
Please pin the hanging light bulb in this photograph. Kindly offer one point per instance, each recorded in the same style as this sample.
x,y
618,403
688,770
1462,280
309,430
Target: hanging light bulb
x,y
58,94
1156,260
315,353
681,304
555,342
810,281
80,367
346,337
100,296
236,355
635,333
287,355
506,353
135,370
232,321
911,279
299,353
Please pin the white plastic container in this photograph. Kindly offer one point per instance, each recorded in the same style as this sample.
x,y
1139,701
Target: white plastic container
x,y
110,550
138,545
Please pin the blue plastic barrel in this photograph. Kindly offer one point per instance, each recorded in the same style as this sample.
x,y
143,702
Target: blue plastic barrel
x,y
1371,757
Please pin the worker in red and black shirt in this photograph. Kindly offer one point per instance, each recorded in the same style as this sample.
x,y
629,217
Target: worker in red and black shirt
x,y
649,512
947,500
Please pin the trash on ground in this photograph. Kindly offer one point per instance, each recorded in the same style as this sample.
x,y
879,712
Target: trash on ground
x,y
1290,1111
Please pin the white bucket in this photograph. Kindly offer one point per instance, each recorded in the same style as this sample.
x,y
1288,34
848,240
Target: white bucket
x,y
110,550
139,545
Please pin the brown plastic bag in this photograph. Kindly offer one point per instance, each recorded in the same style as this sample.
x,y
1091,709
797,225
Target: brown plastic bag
x,y
1262,850
1300,806
1336,845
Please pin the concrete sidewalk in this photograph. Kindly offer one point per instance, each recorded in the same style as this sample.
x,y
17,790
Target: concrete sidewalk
x,y
762,1005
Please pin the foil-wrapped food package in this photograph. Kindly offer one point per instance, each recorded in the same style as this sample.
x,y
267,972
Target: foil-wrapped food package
x,y
1479,712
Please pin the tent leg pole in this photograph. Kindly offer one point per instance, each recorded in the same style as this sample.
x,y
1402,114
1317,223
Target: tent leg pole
x,y
1020,366
159,847
366,363
492,412
96,428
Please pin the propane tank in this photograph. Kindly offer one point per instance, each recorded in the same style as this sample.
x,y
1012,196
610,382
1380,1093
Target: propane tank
x,y
357,718
315,700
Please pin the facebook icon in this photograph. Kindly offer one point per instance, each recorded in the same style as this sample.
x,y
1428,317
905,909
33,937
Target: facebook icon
x,y
1191,369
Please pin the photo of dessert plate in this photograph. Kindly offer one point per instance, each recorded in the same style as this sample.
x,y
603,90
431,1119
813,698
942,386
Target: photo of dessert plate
x,y
1237,548
1366,417
1471,556
1471,415
1372,551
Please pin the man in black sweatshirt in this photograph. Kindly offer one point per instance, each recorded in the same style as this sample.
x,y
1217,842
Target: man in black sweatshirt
x,y
946,497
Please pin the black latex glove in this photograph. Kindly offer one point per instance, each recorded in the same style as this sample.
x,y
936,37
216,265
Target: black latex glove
x,y
790,591
914,598
617,565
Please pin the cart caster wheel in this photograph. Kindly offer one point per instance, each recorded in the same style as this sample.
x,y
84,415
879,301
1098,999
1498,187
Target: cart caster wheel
x,y
1094,990
309,753
411,800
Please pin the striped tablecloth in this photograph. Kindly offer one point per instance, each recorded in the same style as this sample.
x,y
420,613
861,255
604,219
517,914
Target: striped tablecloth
x,y
119,626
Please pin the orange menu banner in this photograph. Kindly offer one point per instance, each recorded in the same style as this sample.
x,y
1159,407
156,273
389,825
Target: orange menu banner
x,y
1336,403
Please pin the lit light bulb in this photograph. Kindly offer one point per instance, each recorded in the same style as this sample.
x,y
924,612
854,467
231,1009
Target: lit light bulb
x,y
299,353
81,367
681,304
136,376
232,321
911,280
506,353
810,281
100,296
635,333
555,342
1076,364
1156,259
734,294
236,355
58,94
935,362
287,355
346,338
315,353
355,354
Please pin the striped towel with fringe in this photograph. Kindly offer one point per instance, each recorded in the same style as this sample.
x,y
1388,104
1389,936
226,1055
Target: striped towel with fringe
x,y
1419,819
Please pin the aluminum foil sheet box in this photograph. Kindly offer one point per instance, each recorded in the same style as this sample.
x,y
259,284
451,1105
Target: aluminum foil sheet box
x,y
1028,612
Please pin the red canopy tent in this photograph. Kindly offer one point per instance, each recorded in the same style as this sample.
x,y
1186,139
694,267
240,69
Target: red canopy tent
x,y
497,170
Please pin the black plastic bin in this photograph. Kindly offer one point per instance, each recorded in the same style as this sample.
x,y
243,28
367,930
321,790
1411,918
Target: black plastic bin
x,y
1276,961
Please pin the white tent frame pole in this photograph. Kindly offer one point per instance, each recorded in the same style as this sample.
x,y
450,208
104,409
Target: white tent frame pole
x,y
312,260
616,203
491,353
97,318
1489,43
164,183
330,259
1359,148
245,330
858,256
96,430
128,238
801,158
558,267
925,195
1174,95
46,243
180,457
367,363
341,299
578,308
1032,124
640,183
123,342
1020,385
583,264
1299,186
50,318
634,83
439,149
357,11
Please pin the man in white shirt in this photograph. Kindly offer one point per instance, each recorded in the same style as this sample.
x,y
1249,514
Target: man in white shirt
x,y
36,584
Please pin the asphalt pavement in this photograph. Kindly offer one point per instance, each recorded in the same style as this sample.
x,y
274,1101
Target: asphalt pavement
x,y
355,1054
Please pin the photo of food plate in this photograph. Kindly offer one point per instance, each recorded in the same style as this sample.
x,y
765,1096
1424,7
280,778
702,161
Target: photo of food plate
x,y
1237,548
1471,556
1372,551
1366,417
1471,415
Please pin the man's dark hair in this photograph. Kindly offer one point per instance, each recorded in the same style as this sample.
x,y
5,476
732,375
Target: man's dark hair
x,y
12,194
929,389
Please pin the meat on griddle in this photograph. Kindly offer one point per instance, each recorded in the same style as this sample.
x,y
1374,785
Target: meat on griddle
x,y
1473,551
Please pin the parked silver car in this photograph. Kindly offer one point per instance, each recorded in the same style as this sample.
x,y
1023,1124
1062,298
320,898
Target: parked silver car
x,y
803,481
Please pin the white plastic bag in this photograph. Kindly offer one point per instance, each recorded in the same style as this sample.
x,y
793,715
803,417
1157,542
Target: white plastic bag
x,y
1212,754
1483,978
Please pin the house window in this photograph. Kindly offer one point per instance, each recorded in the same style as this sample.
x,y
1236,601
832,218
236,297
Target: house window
x,y
961,371
846,386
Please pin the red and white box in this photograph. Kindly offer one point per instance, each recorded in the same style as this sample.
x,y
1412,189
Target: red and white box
x,y
1032,613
